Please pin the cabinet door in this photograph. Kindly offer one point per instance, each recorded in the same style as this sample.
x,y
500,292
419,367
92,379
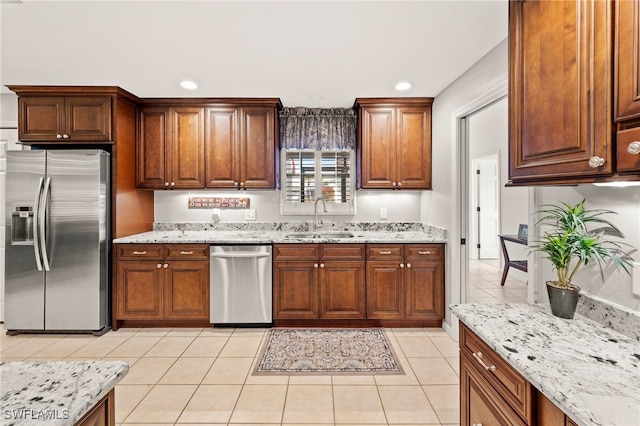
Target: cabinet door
x,y
186,155
221,147
627,57
479,402
87,118
424,290
560,90
385,290
295,290
414,148
377,147
151,146
139,291
257,150
186,290
41,118
342,290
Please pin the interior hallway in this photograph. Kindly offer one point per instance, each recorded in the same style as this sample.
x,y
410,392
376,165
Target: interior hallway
x,y
484,284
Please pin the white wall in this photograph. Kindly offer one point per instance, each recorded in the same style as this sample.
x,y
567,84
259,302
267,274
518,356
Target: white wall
x,y
402,206
626,203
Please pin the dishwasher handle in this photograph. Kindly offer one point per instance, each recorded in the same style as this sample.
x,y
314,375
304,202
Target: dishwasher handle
x,y
239,254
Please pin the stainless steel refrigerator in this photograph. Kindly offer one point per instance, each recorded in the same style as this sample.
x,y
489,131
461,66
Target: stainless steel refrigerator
x,y
57,234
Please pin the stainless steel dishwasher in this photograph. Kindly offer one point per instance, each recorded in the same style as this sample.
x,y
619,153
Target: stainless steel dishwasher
x,y
241,285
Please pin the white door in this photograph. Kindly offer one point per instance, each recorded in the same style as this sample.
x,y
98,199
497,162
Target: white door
x,y
488,206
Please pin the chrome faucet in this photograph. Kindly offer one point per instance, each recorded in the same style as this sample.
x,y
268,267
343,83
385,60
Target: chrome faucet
x,y
317,225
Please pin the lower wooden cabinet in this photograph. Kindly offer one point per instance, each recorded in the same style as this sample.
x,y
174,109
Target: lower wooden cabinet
x,y
494,393
101,414
391,285
326,282
161,284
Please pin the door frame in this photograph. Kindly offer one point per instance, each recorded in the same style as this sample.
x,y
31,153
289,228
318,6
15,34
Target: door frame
x,y
459,253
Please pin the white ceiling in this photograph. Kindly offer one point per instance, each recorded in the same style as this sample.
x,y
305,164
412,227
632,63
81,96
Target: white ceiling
x,y
307,53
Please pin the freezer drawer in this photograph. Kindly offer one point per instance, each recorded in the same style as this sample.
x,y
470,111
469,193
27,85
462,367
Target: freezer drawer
x,y
241,285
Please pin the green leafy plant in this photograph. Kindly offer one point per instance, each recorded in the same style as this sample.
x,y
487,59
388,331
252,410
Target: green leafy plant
x,y
571,245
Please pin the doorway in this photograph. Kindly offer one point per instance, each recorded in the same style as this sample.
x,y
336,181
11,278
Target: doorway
x,y
485,207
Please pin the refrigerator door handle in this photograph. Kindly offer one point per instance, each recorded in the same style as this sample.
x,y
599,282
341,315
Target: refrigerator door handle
x,y
42,215
36,241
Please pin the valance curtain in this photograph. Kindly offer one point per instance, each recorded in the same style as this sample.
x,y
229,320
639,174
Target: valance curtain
x,y
317,129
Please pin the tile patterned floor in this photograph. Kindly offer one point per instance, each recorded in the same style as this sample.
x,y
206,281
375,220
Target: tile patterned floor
x,y
203,376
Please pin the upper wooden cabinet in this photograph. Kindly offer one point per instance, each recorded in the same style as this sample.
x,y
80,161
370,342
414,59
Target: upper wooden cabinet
x,y
241,145
214,143
64,119
394,143
170,147
563,86
627,90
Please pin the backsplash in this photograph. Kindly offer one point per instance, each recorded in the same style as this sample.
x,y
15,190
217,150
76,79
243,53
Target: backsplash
x,y
618,318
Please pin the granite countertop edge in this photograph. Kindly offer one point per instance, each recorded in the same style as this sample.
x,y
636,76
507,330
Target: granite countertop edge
x,y
594,383
62,392
273,237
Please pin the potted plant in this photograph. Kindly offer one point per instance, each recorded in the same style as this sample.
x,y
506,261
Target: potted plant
x,y
571,244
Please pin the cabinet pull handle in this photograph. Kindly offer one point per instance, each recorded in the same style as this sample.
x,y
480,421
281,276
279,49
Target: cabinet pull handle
x,y
478,357
140,252
186,252
384,252
634,148
477,424
423,252
596,162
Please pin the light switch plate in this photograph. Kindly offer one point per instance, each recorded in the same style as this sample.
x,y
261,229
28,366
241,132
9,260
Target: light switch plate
x,y
250,214
383,212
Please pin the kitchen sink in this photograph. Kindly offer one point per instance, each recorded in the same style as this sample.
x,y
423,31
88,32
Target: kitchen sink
x,y
319,235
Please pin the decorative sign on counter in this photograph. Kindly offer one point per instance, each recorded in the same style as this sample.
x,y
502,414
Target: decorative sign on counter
x,y
218,203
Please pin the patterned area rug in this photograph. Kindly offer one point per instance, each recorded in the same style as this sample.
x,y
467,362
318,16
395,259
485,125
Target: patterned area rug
x,y
327,351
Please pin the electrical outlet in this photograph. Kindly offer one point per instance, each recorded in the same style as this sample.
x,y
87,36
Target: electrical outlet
x,y
383,212
635,277
250,214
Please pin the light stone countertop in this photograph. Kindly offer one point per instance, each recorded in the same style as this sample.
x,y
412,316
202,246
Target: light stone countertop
x,y
54,392
267,233
590,372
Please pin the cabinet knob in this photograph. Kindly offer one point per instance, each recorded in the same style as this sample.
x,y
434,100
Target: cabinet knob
x,y
399,184
159,265
173,184
322,265
408,265
235,184
59,136
65,136
477,424
596,161
241,184
166,184
393,184
165,266
402,265
315,265
634,148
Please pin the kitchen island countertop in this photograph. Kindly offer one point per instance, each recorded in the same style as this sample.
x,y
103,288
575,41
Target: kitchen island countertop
x,y
54,392
590,372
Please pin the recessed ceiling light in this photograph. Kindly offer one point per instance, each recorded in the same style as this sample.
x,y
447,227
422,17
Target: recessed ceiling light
x,y
188,84
402,86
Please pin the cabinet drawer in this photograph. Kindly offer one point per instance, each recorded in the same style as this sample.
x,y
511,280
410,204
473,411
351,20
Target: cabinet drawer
x,y
514,388
139,251
187,252
385,251
628,162
296,252
424,252
343,252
